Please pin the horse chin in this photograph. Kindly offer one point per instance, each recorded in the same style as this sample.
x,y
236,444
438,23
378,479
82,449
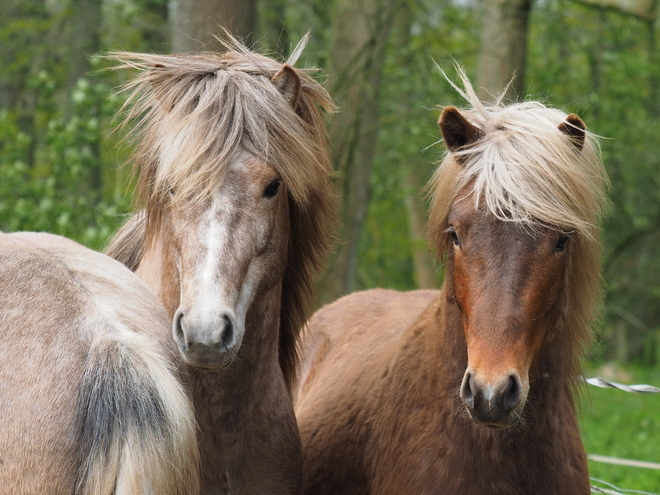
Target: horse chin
x,y
209,361
492,423
492,426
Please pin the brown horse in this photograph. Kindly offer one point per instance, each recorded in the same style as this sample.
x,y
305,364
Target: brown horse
x,y
235,189
89,403
469,390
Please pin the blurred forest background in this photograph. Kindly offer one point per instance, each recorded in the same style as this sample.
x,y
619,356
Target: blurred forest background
x,y
61,163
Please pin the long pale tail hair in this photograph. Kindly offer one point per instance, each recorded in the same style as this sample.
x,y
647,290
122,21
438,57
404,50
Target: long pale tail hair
x,y
136,424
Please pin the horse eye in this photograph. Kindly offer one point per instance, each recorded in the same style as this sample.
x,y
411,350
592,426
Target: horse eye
x,y
272,188
562,242
454,238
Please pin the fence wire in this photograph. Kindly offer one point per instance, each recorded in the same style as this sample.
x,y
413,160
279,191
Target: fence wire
x,y
609,488
613,489
624,462
637,389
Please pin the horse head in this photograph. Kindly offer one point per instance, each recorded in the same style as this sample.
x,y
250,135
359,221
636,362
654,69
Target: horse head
x,y
231,156
509,251
229,245
242,233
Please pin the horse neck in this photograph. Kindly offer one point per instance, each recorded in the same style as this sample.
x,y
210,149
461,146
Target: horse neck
x,y
235,407
426,375
244,411
158,270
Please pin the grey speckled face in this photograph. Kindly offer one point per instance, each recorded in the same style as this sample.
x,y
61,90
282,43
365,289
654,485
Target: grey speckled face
x,y
240,240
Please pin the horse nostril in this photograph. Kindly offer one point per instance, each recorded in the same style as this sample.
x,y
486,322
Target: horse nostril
x,y
467,394
227,336
179,335
512,393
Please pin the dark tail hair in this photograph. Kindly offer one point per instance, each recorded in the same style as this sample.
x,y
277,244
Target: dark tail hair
x,y
136,425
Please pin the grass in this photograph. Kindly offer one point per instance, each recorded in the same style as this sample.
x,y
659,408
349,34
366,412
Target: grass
x,y
620,424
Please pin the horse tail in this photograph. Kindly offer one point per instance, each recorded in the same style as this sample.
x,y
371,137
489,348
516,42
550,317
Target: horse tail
x,y
136,424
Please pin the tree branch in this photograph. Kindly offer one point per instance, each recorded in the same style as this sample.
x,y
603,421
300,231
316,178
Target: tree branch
x,y
642,9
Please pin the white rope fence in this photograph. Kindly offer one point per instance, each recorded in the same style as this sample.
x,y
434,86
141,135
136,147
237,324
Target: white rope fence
x,y
609,488
638,389
624,462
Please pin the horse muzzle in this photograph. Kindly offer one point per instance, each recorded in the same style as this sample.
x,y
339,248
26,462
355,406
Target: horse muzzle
x,y
496,403
207,341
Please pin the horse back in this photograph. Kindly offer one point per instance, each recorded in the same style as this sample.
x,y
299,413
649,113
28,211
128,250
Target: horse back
x,y
84,355
38,425
346,352
378,409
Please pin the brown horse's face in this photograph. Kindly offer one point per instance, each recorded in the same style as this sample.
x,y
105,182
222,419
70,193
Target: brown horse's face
x,y
228,252
507,281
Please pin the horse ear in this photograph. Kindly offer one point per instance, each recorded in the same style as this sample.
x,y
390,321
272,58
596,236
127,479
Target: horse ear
x,y
574,127
287,82
456,130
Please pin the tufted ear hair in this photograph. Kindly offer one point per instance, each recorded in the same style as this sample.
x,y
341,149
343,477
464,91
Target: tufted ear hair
x,y
287,82
456,130
574,127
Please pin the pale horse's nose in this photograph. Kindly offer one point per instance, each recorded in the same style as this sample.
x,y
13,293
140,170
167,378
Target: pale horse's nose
x,y
205,337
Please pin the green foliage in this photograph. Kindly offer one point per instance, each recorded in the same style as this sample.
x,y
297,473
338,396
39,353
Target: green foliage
x,y
59,160
603,66
58,192
600,65
408,148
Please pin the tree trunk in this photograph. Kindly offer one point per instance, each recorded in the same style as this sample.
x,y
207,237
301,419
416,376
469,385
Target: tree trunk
x,y
20,64
10,84
425,274
155,25
196,22
504,28
411,181
83,32
275,35
654,76
642,9
355,67
595,58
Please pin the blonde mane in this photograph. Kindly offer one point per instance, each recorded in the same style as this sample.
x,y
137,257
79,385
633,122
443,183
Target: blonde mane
x,y
525,170
192,113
